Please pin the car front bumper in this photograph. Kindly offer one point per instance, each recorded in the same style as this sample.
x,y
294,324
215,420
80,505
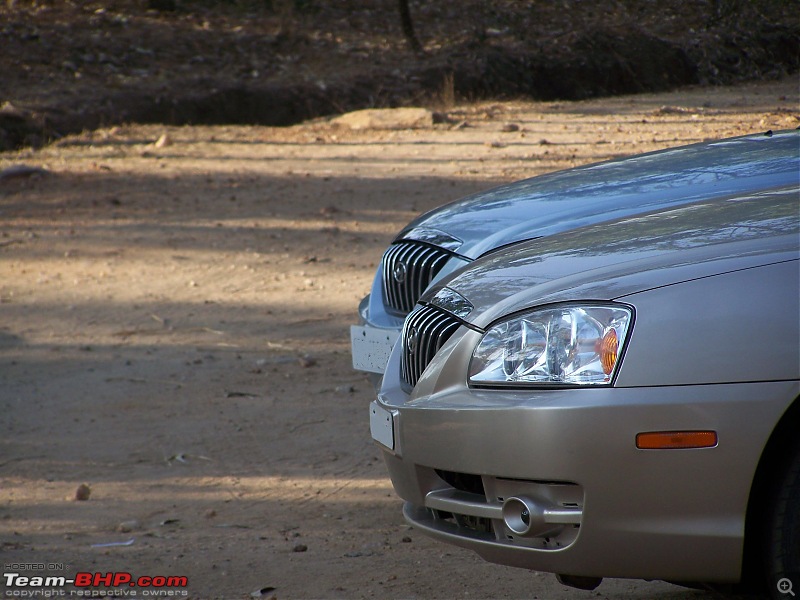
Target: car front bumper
x,y
468,462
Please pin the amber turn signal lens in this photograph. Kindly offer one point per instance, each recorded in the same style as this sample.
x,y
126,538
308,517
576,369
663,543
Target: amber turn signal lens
x,y
608,351
670,440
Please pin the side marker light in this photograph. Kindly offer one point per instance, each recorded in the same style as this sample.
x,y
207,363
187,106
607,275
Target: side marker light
x,y
672,440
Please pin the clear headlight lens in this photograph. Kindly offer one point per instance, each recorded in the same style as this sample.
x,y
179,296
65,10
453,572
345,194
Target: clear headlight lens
x,y
568,345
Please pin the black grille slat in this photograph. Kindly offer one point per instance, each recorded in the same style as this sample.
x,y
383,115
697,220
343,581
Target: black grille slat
x,y
413,276
428,332
425,269
425,331
428,344
418,263
408,257
391,292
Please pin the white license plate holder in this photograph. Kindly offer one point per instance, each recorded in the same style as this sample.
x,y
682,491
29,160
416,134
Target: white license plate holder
x,y
381,425
371,347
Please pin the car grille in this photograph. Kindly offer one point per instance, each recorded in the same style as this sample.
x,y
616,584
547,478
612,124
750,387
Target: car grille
x,y
465,482
424,332
408,268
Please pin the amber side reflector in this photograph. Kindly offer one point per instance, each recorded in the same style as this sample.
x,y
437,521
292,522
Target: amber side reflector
x,y
671,440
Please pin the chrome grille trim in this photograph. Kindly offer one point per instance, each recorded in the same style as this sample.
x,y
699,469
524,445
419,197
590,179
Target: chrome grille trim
x,y
433,237
425,331
418,263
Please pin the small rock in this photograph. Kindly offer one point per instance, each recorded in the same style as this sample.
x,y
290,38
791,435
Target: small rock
x,y
345,389
307,361
83,492
386,118
163,141
9,109
510,127
299,548
406,539
128,526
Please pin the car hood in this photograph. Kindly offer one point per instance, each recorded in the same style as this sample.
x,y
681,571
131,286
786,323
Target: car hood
x,y
557,202
609,261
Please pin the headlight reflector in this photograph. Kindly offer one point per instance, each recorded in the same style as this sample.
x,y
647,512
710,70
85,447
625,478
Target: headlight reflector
x,y
570,344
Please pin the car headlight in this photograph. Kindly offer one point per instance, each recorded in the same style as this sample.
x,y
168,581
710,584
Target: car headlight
x,y
569,344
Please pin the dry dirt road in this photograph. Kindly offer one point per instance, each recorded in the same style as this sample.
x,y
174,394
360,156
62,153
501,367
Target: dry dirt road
x,y
174,334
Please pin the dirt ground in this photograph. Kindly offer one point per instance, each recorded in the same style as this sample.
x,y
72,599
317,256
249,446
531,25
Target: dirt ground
x,y
174,334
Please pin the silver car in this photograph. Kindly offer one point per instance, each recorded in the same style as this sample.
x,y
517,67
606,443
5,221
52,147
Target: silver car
x,y
619,400
443,240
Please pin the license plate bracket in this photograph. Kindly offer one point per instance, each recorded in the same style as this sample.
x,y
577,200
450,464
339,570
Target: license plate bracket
x,y
381,425
371,347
